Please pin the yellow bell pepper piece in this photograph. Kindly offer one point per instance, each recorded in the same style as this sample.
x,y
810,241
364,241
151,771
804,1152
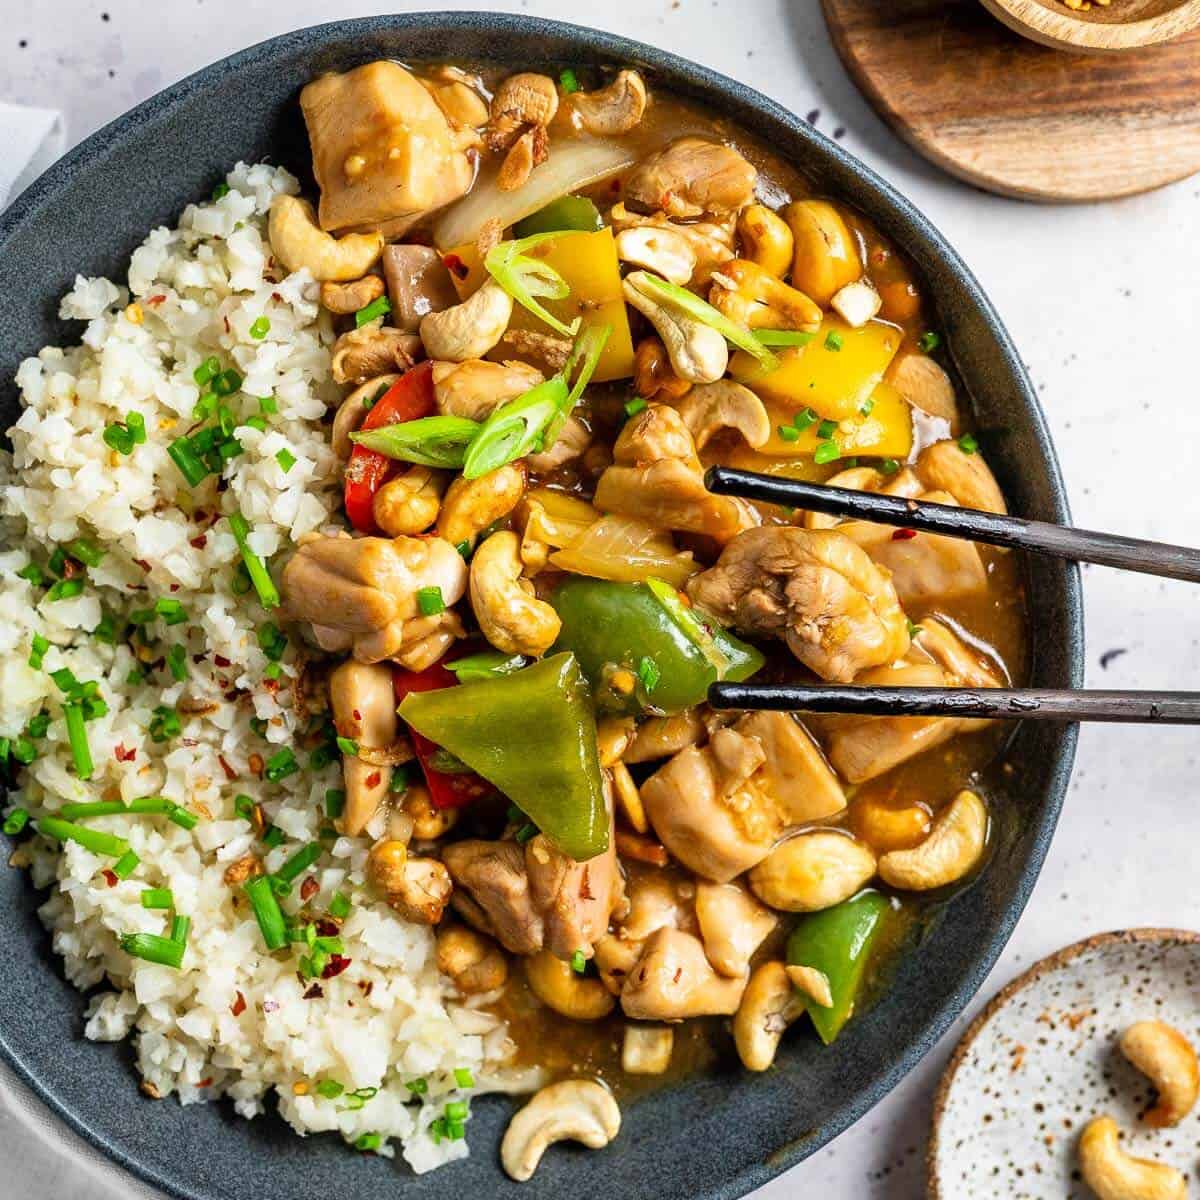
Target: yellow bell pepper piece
x,y
885,432
832,382
588,262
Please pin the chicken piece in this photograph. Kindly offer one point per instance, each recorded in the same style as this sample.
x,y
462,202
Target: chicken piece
x,y
361,355
863,748
383,152
427,639
656,898
573,440
660,737
837,611
691,176
720,809
674,980
947,468
656,476
364,709
358,592
732,926
493,893
476,388
417,283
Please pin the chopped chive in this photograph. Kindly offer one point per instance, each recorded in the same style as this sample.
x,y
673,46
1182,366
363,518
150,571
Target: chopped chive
x,y
126,865
827,452
38,725
65,589
456,1110
267,912
789,433
463,1077
430,601
268,594
929,341
649,674
348,746
322,756
181,927
227,382
280,765
222,189
418,1087
268,405
258,423
281,887
171,611
379,307
136,424
24,751
90,839
164,724
33,573
913,628
339,906
968,443
399,781
526,833
578,962
15,821
229,449
271,640
889,466
866,407
177,662
117,437
158,898
180,816
141,616
272,837
634,406
225,421
190,465
330,1089
568,81
154,948
260,328
205,406
38,648
299,862
86,551
57,561
368,1142
833,340
286,460
464,548
826,430
784,337
64,680
272,671
207,370
335,803
804,419
77,736
243,806
106,631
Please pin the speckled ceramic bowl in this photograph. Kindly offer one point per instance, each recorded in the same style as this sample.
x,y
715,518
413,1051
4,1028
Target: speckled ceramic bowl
x,y
1042,1059
713,1137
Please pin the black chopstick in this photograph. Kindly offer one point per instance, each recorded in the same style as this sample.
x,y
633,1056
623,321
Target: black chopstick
x,y
1022,704
1041,537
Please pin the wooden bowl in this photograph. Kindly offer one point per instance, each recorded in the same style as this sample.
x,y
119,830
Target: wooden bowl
x,y
1123,25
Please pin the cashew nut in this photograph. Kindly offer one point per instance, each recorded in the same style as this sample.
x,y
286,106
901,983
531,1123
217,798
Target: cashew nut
x,y
812,983
953,847
697,352
825,254
752,296
476,388
1166,1057
1114,1175
530,149
474,962
557,985
629,798
350,297
353,411
386,863
471,505
429,823
769,1005
613,736
856,303
924,384
710,408
579,1110
298,242
711,241
410,502
766,239
946,467
364,709
521,100
885,828
614,109
469,329
363,354
660,249
812,871
646,1049
511,617
653,378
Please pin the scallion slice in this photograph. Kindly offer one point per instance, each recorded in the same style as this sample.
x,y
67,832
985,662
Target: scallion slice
x,y
191,466
784,337
90,839
463,1077
77,736
299,862
526,278
339,906
153,948
126,865
16,821
268,593
430,601
259,328
488,664
158,898
427,441
379,307
267,912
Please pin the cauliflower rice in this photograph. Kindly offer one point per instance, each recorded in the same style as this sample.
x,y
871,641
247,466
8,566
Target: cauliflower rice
x,y
235,1020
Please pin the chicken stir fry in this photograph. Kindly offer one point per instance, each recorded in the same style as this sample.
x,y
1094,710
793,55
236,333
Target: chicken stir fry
x,y
553,311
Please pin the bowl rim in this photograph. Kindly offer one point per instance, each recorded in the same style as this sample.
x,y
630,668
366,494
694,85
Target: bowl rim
x,y
705,81
1073,31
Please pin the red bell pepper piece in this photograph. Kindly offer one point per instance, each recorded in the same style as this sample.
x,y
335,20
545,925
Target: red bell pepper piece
x,y
447,789
408,399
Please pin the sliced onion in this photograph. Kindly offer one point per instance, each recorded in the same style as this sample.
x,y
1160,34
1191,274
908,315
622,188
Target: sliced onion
x,y
571,166
627,550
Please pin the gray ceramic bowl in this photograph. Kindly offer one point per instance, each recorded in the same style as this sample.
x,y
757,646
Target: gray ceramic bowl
x,y
713,1137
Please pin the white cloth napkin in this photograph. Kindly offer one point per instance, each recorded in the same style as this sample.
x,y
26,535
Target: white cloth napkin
x,y
32,139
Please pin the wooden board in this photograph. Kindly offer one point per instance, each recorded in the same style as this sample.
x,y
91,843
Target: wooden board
x,y
1015,117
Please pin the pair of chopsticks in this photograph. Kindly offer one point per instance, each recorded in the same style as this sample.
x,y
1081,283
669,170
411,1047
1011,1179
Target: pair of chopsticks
x,y
1039,537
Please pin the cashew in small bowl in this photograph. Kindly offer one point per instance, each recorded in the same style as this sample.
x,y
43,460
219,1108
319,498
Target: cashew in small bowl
x,y
611,110
825,255
556,984
511,617
766,239
660,249
710,408
752,296
1167,1059
953,847
409,503
812,871
646,1049
475,963
579,1110
470,329
344,298
697,352
1114,1175
471,505
353,411
298,242
770,1004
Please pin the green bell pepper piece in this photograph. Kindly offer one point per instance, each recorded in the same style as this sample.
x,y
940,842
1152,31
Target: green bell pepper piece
x,y
838,942
567,212
644,630
533,735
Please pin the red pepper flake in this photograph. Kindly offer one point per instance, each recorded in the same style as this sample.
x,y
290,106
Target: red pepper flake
x,y
335,966
271,685
239,1005
141,562
174,587
110,877
373,779
904,535
455,265
199,542
309,888
154,301
221,661
366,986
205,1083
326,928
256,765
357,716
226,324
122,754
230,773
315,992
71,569
277,297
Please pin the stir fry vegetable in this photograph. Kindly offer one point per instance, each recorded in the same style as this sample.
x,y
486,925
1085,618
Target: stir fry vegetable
x,y
568,213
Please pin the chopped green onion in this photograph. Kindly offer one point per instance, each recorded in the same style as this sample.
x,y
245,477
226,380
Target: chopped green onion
x,y
154,948
867,406
77,736
488,664
222,189
106,631
90,839
526,278
177,662
243,806
64,680
330,1089
578,962
16,821
205,406
268,593
913,628
833,340
58,561
526,833
164,724
280,765
268,405
32,572
86,551
181,927
379,307
339,906
456,1110
889,466
826,430
428,441
281,887
229,449
463,1077
271,640
24,751
65,589
286,460
158,898
348,746
649,674
273,671
258,423
136,424
126,865
418,1087
267,912
117,437
784,337
172,611
399,780
789,433
827,452
38,647
190,465
260,328
227,382
430,601
634,406
968,443
272,837
299,862
207,370
38,725
568,81
929,341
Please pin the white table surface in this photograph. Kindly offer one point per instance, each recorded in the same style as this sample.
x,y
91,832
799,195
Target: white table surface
x,y
1100,302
